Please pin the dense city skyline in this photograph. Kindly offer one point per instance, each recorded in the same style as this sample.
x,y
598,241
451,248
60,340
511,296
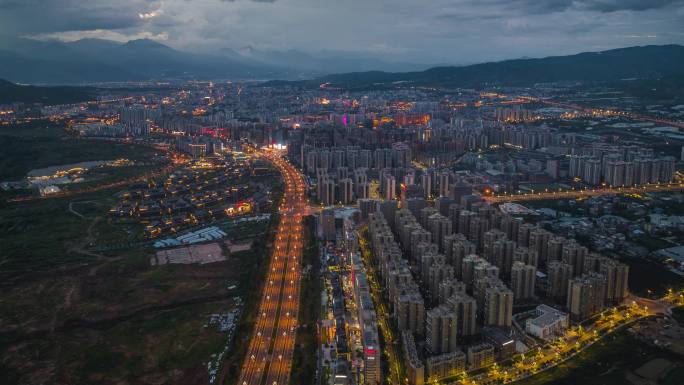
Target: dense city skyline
x,y
453,32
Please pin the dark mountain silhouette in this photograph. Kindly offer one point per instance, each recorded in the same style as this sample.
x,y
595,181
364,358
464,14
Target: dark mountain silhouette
x,y
98,60
95,60
647,62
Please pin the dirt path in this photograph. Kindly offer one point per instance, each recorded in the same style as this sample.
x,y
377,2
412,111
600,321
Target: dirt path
x,y
81,246
71,210
67,297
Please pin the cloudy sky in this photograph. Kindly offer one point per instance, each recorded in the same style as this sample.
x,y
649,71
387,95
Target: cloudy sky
x,y
421,31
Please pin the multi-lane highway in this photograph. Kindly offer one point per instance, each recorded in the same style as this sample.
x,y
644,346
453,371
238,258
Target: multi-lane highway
x,y
269,356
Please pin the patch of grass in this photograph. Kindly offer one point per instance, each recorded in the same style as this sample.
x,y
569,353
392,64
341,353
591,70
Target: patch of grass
x,y
678,314
99,358
35,235
178,336
242,231
8,375
645,275
163,343
605,363
674,377
159,274
41,235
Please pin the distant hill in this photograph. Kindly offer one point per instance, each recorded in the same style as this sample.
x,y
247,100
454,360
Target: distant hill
x,y
96,60
647,62
15,93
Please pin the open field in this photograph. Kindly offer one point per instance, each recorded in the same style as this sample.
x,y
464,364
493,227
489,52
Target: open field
x,y
137,322
121,321
51,234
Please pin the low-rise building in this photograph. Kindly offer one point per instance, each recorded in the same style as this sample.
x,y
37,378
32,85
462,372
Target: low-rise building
x,y
501,339
548,323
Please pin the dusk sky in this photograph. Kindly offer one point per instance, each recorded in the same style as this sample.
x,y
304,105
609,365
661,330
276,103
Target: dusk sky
x,y
434,31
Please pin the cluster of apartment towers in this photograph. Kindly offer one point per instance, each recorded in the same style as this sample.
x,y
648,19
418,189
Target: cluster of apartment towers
x,y
342,172
454,270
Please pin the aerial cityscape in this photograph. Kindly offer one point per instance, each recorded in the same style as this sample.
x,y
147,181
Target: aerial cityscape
x,y
285,192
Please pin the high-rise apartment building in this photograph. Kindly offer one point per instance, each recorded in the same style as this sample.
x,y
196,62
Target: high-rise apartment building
x,y
441,329
498,306
522,281
558,275
466,310
586,295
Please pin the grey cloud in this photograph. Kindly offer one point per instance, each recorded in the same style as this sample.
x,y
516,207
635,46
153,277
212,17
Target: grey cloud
x,y
414,31
518,6
551,6
541,7
44,16
627,5
460,17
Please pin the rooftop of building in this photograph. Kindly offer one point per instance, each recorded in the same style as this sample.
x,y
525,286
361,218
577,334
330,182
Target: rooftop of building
x,y
546,316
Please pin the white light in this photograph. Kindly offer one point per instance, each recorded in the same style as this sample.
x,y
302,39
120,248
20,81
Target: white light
x,y
148,15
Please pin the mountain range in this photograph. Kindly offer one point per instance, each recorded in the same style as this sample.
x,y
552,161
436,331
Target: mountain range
x,y
644,62
95,60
